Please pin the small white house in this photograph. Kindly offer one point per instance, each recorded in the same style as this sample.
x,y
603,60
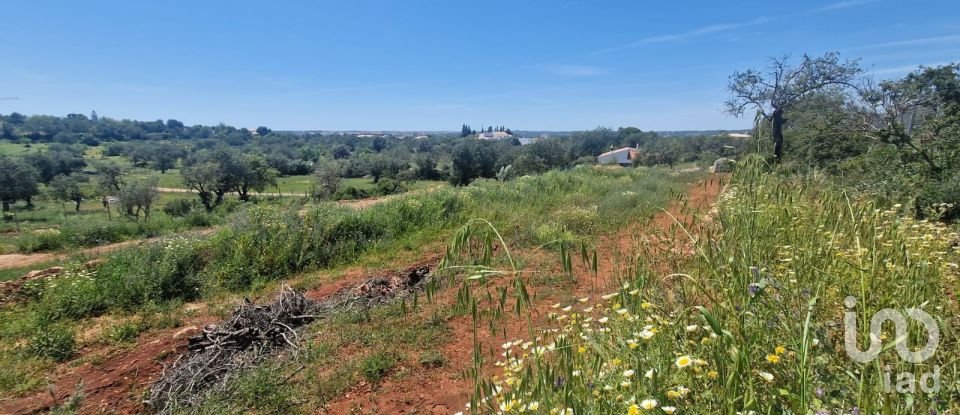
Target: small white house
x,y
494,135
622,156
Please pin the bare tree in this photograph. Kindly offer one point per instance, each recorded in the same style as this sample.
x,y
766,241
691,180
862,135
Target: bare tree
x,y
784,85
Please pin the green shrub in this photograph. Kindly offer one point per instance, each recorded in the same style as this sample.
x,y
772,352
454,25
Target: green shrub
x,y
376,366
72,295
199,219
163,271
390,187
432,358
351,193
126,332
181,207
54,341
44,240
97,232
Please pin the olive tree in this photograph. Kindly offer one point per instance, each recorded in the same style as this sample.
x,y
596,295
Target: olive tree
x,y
327,179
69,188
783,85
139,196
18,181
207,179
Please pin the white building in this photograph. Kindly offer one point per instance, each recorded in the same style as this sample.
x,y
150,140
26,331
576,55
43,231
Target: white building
x,y
495,135
622,156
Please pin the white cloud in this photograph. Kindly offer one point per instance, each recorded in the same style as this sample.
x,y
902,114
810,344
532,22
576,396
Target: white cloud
x,y
948,39
842,5
905,68
672,37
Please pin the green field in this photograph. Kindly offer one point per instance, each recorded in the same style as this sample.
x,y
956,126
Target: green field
x,y
15,149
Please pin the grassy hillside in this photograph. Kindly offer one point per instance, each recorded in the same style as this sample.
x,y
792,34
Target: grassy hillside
x,y
754,323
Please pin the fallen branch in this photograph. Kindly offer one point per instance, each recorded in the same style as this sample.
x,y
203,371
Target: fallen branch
x,y
255,332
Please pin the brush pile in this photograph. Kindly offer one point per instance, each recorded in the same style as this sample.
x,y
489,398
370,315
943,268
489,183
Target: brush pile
x,y
222,350
255,332
377,291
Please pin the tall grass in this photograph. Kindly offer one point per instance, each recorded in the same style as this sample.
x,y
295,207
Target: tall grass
x,y
265,242
753,323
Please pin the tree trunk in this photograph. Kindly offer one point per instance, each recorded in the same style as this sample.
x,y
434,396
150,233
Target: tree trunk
x,y
778,134
6,205
205,200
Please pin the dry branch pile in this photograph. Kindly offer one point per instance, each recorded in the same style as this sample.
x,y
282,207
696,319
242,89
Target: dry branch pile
x,y
377,291
258,331
222,350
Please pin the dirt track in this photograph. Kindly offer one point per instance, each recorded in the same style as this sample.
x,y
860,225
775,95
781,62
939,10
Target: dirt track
x,y
116,382
26,260
444,390
8,261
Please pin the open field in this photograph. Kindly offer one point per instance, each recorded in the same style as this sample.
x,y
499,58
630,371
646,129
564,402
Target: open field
x,y
719,252
53,225
573,211
14,149
594,208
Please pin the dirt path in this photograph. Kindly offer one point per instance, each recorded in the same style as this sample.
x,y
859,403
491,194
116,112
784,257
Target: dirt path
x,y
444,390
25,260
8,261
114,380
267,194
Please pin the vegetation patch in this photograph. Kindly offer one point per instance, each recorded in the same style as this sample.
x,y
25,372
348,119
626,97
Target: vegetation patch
x,y
755,321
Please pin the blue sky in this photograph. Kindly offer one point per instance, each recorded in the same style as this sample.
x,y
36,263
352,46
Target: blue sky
x,y
432,65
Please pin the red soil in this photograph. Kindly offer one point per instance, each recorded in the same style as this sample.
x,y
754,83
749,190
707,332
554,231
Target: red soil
x,y
444,390
111,383
115,382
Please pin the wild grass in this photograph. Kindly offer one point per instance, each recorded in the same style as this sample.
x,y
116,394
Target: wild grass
x,y
753,322
52,226
7,274
8,148
266,243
